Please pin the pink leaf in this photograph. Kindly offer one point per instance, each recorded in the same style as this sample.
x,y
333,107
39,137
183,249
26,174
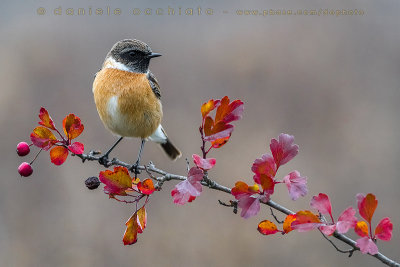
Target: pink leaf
x,y
224,133
384,229
328,229
322,204
263,166
250,206
76,148
296,185
366,245
189,188
346,220
205,164
284,149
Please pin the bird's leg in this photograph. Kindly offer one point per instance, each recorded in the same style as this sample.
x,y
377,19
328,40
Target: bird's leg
x,y
104,159
136,165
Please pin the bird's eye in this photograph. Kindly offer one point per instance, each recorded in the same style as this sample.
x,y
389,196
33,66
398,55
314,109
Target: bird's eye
x,y
131,54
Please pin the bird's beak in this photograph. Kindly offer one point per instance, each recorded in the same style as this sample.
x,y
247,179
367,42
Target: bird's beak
x,y
151,55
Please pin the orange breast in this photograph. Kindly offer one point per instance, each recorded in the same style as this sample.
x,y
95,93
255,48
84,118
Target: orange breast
x,y
126,103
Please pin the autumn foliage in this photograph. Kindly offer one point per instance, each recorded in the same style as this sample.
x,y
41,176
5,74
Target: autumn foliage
x,y
216,129
44,136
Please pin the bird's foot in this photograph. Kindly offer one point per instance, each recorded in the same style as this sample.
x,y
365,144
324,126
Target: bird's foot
x,y
104,160
135,169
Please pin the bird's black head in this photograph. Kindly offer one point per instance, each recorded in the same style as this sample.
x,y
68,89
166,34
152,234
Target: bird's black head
x,y
133,54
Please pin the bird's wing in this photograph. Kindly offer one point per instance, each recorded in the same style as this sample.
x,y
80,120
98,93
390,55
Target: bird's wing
x,y
154,84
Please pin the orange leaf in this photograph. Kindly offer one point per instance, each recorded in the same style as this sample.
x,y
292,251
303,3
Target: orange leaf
x,y
219,142
141,219
135,225
287,223
43,138
131,232
267,228
361,228
267,184
58,155
45,119
228,112
146,187
72,126
116,181
367,206
220,130
305,221
242,189
208,107
208,124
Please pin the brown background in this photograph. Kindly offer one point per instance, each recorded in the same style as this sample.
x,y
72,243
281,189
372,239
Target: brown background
x,y
332,82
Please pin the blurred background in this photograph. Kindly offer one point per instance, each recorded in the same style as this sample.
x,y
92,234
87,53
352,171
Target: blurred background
x,y
331,81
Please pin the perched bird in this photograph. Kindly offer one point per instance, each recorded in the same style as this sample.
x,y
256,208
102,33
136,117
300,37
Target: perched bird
x,y
127,97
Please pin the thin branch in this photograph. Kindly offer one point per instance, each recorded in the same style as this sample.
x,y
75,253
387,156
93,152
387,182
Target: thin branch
x,y
276,218
210,183
351,251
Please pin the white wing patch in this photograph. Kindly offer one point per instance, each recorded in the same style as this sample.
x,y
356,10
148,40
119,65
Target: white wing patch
x,y
159,135
113,112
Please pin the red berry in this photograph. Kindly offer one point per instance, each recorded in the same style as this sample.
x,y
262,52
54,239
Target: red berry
x,y
25,169
23,149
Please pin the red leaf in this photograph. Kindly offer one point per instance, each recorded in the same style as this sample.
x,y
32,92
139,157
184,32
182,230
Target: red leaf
x,y
43,138
135,225
283,150
306,221
267,228
72,126
58,155
384,229
288,222
366,206
146,187
228,112
209,106
45,119
117,181
296,184
204,164
76,148
263,166
322,204
220,130
361,228
366,245
249,204
188,189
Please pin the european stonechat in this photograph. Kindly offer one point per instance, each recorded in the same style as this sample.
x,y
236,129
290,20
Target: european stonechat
x,y
127,96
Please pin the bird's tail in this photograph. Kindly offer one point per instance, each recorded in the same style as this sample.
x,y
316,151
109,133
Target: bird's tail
x,y
172,152
159,136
